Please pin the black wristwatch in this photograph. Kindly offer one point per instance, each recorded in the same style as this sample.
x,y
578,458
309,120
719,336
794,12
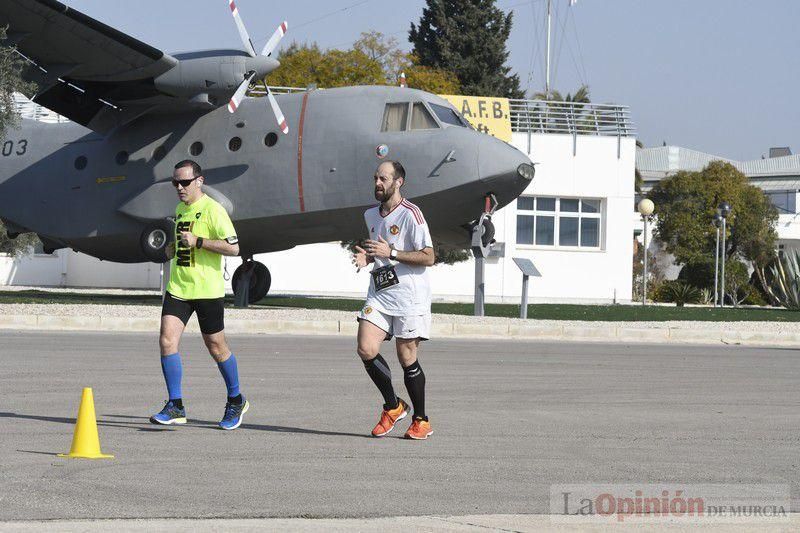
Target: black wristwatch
x,y
199,243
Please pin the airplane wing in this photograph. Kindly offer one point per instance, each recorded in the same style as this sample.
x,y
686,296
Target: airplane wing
x,y
86,71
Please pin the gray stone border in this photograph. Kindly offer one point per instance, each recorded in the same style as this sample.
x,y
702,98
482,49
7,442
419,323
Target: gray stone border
x,y
442,328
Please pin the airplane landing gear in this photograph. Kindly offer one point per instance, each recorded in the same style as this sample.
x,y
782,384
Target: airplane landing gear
x,y
482,240
251,282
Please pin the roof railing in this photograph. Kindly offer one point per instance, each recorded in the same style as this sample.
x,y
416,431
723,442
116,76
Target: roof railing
x,y
573,118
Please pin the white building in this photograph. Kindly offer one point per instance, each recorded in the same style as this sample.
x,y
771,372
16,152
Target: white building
x,y
573,222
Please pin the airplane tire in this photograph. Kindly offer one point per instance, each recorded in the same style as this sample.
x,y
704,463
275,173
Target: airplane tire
x,y
260,280
158,241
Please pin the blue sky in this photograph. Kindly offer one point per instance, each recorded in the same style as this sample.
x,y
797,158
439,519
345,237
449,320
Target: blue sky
x,y
720,76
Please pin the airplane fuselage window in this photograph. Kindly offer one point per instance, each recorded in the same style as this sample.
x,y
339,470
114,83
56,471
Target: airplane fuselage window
x,y
447,115
196,148
234,144
122,157
395,117
81,162
421,118
271,139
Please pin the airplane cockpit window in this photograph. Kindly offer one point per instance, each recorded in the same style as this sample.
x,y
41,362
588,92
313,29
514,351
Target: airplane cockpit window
x,y
395,117
421,118
447,115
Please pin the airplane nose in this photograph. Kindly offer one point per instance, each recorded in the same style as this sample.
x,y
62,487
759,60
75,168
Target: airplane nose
x,y
506,171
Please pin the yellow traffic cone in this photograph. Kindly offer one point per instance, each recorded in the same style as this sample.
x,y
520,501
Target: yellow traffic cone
x,y
86,441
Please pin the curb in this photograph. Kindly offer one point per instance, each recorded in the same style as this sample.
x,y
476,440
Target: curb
x,y
440,329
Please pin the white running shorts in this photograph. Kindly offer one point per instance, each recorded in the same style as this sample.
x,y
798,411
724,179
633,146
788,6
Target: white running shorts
x,y
402,327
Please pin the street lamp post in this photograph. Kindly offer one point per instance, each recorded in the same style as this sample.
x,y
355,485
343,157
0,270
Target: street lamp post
x,y
717,220
646,207
724,210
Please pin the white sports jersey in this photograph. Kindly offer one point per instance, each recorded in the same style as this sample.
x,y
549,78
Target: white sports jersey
x,y
405,229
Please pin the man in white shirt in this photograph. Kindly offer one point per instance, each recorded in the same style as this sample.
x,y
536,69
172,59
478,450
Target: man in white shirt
x,y
399,298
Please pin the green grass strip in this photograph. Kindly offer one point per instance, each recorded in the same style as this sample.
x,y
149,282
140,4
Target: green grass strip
x,y
609,313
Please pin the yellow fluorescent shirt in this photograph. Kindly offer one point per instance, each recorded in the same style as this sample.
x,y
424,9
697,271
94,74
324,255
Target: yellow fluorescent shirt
x,y
197,274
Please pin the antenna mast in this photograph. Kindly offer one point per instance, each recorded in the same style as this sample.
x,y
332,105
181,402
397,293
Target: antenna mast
x,y
547,62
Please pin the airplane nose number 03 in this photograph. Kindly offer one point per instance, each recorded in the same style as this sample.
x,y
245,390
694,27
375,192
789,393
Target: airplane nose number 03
x,y
8,148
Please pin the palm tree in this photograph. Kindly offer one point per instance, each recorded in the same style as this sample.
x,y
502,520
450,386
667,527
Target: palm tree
x,y
581,96
569,110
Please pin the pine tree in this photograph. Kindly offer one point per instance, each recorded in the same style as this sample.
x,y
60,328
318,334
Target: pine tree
x,y
467,37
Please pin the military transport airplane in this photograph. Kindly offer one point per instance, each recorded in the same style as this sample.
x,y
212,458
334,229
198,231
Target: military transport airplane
x,y
297,171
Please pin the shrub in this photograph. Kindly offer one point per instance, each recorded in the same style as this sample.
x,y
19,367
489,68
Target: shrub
x,y
785,282
683,293
678,292
736,282
706,296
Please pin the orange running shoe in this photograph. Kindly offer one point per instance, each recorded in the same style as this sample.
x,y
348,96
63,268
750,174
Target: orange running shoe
x,y
389,418
419,429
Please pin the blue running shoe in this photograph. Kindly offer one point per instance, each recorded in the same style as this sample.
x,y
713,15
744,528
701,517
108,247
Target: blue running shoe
x,y
234,413
169,415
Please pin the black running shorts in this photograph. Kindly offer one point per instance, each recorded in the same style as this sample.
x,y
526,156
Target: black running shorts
x,y
210,312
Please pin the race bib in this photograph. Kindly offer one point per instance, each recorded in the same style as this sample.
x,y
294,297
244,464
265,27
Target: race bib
x,y
384,277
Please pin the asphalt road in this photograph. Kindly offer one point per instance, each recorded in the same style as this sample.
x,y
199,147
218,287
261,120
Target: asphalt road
x,y
510,419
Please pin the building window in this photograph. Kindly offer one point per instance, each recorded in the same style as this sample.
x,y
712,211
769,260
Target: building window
x,y
558,222
784,201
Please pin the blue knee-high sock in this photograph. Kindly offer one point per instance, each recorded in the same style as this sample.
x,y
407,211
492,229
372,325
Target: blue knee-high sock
x,y
230,372
173,371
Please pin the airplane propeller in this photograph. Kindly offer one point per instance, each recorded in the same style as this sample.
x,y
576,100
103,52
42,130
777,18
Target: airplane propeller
x,y
238,96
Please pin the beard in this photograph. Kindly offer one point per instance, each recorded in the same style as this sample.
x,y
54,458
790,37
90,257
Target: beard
x,y
385,194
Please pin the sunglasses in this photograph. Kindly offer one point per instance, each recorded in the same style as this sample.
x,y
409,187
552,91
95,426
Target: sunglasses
x,y
183,183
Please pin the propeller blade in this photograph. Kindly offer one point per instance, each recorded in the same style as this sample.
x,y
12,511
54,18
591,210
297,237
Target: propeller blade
x,y
238,96
278,113
248,44
275,39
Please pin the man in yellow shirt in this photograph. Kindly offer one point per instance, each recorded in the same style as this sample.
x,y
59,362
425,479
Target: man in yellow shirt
x,y
203,234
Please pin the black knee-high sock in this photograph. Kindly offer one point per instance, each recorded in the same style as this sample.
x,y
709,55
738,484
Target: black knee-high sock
x,y
379,371
414,378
